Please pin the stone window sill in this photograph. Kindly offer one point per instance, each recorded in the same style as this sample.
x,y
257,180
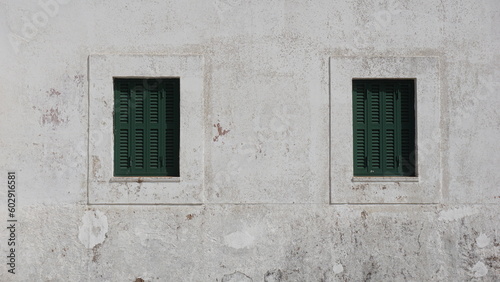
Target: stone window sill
x,y
384,179
145,179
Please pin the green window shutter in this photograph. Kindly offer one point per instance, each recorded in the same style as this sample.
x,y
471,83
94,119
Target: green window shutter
x,y
374,127
141,148
360,135
122,117
154,154
408,157
172,126
390,130
384,127
138,127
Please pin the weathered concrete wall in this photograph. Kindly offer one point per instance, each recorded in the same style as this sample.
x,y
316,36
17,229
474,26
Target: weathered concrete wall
x,y
264,211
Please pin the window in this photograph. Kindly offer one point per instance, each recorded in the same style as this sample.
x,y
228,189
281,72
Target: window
x,y
419,180
104,73
146,127
383,127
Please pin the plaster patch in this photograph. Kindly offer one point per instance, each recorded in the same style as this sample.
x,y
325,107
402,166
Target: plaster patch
x,y
454,214
479,269
93,229
482,241
96,165
239,240
338,268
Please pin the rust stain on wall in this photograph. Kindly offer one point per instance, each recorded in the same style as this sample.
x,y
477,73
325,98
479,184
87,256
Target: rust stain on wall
x,y
220,132
53,92
52,116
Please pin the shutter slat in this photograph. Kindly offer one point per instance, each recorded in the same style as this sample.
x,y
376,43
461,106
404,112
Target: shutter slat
x,y
374,102
123,102
407,92
154,149
155,152
360,130
154,105
359,148
139,149
389,120
172,127
139,108
390,150
121,128
123,146
374,144
138,127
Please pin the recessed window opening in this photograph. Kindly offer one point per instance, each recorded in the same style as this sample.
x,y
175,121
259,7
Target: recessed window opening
x,y
384,127
146,126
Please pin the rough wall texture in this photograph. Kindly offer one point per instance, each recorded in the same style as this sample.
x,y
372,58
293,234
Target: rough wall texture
x,y
265,212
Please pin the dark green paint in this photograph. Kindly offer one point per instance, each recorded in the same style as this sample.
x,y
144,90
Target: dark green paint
x,y
384,127
146,127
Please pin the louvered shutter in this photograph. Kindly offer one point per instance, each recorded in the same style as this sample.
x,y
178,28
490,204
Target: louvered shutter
x,y
172,126
384,127
390,135
122,122
407,110
138,127
154,154
142,116
359,119
374,128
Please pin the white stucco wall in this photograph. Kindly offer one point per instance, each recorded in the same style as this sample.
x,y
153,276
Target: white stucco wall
x,y
269,199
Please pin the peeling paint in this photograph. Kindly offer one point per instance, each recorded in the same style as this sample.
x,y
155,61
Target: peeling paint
x,y
482,241
239,240
96,165
479,269
338,268
458,213
277,202
93,229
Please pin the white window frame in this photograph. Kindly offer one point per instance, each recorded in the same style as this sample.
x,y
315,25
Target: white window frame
x,y
103,187
426,186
